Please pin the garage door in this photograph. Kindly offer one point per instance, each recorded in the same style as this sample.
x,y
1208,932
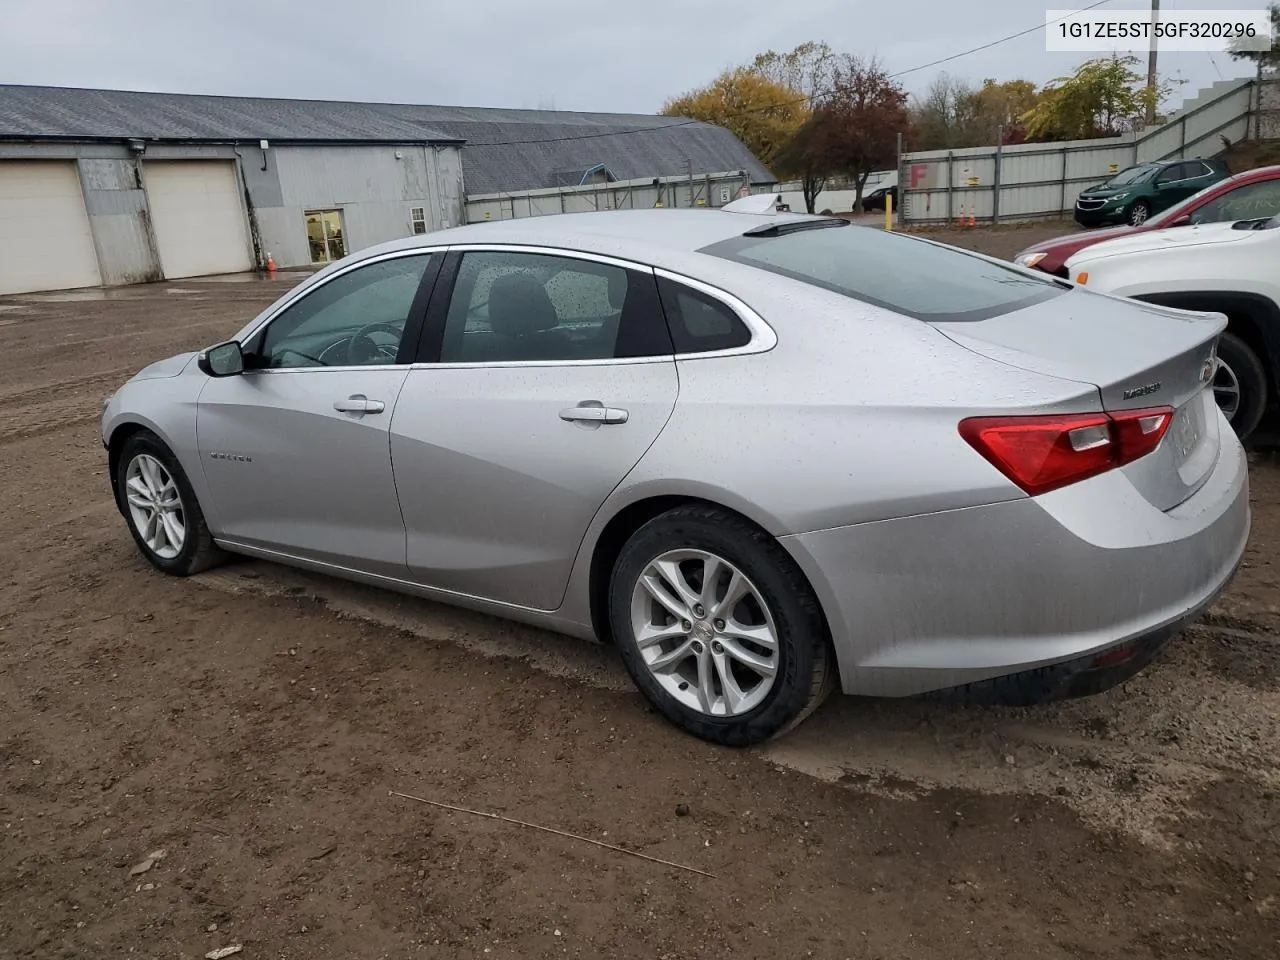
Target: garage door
x,y
198,217
45,243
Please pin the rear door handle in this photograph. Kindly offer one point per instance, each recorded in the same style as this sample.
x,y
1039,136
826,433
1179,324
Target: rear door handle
x,y
592,411
358,403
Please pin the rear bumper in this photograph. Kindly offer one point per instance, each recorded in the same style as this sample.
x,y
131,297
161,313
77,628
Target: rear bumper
x,y
1033,587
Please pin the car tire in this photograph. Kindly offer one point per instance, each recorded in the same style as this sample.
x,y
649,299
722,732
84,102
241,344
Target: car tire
x,y
149,471
776,601
1243,377
1138,213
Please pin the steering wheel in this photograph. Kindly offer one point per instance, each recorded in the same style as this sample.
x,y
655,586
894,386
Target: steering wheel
x,y
373,350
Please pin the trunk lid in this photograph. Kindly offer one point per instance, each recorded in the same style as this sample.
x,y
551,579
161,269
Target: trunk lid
x,y
1136,355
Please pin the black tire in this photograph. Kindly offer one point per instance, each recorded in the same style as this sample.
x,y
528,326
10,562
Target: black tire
x,y
1246,367
198,551
806,670
1139,213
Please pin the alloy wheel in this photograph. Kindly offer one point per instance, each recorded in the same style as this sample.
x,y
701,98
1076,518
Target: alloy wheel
x,y
155,506
1226,390
1138,215
705,633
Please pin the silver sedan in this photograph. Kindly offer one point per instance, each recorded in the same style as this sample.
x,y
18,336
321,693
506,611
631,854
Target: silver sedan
x,y
764,454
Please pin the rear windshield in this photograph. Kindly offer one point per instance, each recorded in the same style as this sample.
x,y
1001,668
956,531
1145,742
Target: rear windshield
x,y
927,281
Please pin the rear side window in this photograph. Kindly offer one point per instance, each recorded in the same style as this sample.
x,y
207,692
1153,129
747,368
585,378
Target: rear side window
x,y
913,277
700,323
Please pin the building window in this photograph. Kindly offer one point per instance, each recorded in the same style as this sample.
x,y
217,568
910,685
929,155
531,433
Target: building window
x,y
325,235
418,217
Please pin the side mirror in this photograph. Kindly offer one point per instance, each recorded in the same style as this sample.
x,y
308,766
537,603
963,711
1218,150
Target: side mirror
x,y
1182,221
224,360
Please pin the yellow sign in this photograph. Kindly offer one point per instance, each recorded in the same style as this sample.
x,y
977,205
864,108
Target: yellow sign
x,y
973,181
1113,168
488,215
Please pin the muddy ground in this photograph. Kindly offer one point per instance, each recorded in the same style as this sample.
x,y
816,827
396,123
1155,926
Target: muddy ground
x,y
253,724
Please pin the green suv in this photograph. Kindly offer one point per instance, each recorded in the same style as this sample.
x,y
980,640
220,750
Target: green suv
x,y
1136,193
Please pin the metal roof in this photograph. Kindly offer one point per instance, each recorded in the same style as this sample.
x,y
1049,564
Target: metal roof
x,y
504,149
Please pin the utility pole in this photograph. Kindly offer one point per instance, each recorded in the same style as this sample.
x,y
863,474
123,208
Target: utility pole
x,y
1151,65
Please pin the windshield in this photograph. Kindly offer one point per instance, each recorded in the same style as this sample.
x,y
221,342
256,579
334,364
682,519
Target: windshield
x,y
923,280
1132,175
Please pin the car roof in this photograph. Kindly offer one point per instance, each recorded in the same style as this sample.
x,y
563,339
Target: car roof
x,y
640,232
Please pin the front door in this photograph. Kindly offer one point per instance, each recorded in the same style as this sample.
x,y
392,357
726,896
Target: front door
x,y
554,376
296,449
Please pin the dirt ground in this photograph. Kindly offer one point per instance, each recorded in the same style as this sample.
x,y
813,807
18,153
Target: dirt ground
x,y
254,724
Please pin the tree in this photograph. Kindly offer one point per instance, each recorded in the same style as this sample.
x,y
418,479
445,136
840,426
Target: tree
x,y
809,157
952,114
1001,106
1103,98
763,114
941,115
865,113
1268,61
807,70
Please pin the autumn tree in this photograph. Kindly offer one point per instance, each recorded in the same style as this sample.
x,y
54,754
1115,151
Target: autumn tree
x,y
762,113
806,70
864,114
1103,98
952,114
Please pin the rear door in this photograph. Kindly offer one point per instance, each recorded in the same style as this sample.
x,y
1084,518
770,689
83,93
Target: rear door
x,y
545,378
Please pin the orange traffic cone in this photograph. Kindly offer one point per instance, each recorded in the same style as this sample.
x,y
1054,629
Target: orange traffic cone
x,y
271,265
972,220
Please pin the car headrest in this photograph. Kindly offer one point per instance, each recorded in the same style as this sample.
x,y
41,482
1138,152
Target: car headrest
x,y
519,305
617,288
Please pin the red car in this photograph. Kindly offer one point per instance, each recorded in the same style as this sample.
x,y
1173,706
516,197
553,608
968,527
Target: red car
x,y
1254,193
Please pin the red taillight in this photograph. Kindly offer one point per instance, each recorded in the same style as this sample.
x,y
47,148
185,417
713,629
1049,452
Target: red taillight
x,y
1043,453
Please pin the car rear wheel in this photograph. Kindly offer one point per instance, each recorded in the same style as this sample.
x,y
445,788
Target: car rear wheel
x,y
1240,385
718,627
161,508
1138,213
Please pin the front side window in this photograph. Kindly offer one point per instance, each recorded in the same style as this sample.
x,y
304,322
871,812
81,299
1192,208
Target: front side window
x,y
909,276
511,307
357,319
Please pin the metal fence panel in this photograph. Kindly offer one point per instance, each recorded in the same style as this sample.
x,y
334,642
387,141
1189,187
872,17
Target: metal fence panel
x,y
1033,180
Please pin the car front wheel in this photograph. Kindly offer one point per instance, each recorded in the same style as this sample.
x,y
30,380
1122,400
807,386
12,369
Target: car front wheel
x,y
1138,213
718,627
1240,385
161,509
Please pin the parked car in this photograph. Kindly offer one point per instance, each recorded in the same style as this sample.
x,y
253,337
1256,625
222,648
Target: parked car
x,y
1228,268
1135,193
1253,193
876,200
734,443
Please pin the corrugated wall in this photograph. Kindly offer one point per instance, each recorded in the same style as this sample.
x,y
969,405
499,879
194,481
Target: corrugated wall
x,y
1043,179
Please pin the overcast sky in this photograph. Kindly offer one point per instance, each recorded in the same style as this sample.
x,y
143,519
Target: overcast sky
x,y
569,54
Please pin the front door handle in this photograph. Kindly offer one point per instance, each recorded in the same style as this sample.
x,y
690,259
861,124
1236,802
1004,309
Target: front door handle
x,y
359,403
592,411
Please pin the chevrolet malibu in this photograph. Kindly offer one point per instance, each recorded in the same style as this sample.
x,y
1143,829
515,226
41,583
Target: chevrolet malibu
x,y
764,454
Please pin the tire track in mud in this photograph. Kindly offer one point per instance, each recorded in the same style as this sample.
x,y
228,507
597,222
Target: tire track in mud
x,y
1131,759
